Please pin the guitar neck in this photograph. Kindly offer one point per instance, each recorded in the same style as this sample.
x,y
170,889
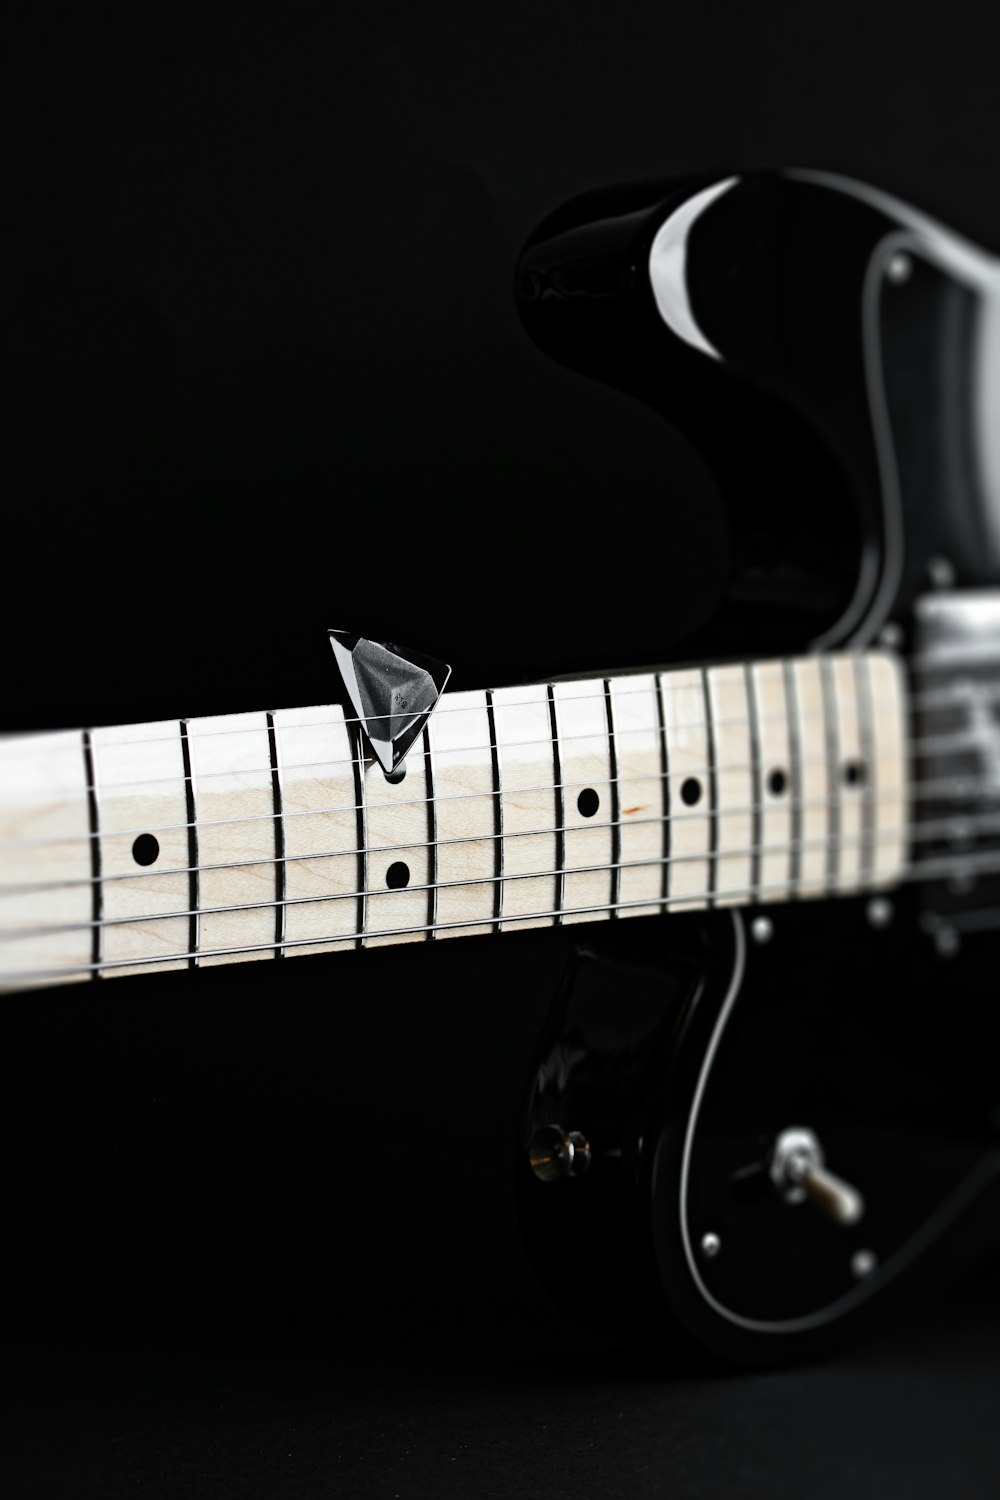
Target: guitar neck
x,y
262,835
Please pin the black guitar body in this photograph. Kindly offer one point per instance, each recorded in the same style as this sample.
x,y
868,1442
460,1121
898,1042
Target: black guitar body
x,y
831,356
683,1052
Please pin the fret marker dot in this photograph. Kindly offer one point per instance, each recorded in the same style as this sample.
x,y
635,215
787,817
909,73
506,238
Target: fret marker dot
x,y
691,791
145,849
588,802
397,876
777,782
854,773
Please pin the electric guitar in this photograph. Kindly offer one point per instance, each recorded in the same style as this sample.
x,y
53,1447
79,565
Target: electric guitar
x,y
715,1126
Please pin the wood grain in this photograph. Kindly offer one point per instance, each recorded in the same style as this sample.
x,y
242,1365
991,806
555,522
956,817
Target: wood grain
x,y
523,807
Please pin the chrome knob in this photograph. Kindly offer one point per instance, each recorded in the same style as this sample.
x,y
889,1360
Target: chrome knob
x,y
555,1153
800,1175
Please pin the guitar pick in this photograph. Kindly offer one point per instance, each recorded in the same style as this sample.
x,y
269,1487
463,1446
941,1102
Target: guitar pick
x,y
393,692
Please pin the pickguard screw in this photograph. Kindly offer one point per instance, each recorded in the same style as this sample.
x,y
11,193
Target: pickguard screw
x,y
710,1245
762,929
947,942
863,1263
879,912
891,636
899,268
941,573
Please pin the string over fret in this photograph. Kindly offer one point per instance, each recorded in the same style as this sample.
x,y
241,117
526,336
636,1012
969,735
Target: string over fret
x,y
579,801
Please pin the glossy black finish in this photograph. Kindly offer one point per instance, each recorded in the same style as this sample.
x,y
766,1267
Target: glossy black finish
x,y
820,372
826,350
905,1111
602,1059
909,1114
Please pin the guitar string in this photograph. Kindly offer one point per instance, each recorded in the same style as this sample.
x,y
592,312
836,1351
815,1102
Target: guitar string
x,y
961,865
664,673
926,870
955,698
941,745
841,843
915,792
943,831
678,727
445,706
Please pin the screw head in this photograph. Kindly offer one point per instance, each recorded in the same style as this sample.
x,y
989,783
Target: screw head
x,y
891,636
941,573
762,929
879,912
899,268
863,1263
947,942
710,1245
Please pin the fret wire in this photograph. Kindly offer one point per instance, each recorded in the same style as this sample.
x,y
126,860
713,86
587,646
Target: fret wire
x,y
279,838
795,762
432,839
498,851
757,778
831,729
194,892
665,778
97,885
926,870
616,832
360,813
869,757
560,807
925,792
712,812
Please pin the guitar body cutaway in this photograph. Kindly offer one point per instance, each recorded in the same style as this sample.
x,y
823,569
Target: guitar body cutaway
x,y
834,356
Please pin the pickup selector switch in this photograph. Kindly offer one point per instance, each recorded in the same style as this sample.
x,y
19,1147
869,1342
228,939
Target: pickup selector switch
x,y
799,1174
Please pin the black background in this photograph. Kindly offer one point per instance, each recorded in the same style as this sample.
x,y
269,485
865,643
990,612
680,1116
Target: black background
x,y
266,375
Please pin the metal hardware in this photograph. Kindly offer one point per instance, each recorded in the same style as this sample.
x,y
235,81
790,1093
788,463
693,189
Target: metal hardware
x,y
710,1245
947,941
956,646
798,1173
393,692
762,929
863,1263
941,573
899,268
555,1153
879,912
